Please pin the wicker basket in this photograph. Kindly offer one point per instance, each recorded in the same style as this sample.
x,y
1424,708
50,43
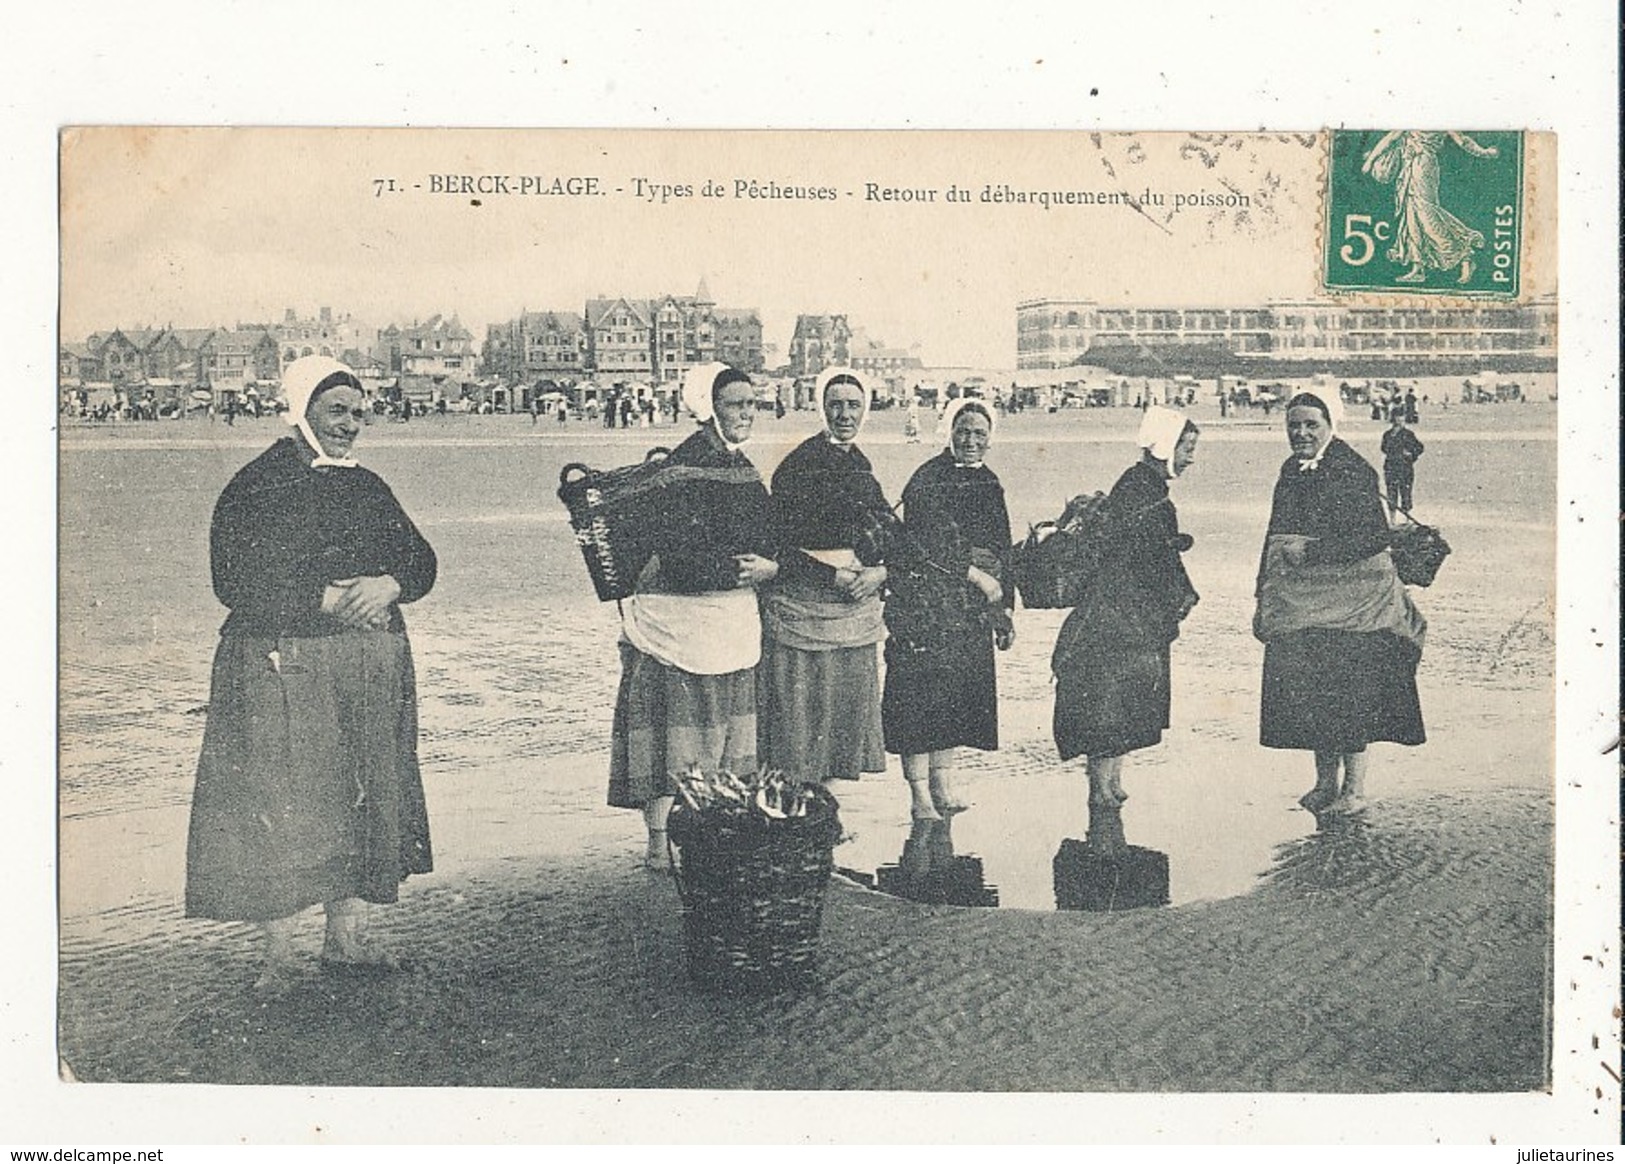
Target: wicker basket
x,y
1418,551
753,893
614,513
1057,560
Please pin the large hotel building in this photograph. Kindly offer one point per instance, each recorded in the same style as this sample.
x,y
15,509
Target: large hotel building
x,y
1287,339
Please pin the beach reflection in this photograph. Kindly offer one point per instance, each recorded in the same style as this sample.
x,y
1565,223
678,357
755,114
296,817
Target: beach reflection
x,y
1103,873
930,871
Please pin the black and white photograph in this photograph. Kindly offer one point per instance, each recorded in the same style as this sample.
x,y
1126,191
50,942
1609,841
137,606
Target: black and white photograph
x,y
607,620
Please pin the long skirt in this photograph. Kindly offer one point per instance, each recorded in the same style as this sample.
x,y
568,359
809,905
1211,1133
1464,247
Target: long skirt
x,y
1337,691
1109,702
821,712
308,786
940,699
668,720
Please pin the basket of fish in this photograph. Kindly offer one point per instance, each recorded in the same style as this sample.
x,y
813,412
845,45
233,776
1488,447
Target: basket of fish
x,y
752,857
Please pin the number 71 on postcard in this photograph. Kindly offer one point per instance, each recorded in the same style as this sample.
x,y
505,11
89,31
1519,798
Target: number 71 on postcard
x,y
1431,211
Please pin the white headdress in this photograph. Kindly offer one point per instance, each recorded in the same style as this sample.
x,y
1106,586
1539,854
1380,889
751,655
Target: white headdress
x,y
957,405
1332,404
697,385
1160,430
300,380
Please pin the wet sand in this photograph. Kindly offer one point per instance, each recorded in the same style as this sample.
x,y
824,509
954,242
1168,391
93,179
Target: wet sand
x,y
1406,951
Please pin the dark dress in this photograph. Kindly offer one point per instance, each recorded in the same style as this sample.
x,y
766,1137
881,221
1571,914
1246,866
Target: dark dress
x,y
1332,690
941,685
668,717
820,692
1111,659
308,787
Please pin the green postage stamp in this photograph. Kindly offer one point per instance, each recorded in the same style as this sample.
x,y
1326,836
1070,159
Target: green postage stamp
x,y
1434,211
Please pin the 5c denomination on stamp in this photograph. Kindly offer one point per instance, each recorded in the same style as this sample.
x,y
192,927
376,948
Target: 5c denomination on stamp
x,y
1432,211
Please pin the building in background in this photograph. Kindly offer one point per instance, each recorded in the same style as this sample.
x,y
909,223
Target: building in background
x,y
819,342
180,356
323,334
242,357
436,347
620,339
739,338
1288,338
536,346
685,333
886,370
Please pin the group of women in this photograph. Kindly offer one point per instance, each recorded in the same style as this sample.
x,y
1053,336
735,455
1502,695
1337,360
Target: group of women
x,y
754,637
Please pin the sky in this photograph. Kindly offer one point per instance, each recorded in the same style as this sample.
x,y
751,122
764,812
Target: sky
x,y
210,227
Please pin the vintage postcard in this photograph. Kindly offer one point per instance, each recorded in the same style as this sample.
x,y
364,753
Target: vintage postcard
x,y
366,747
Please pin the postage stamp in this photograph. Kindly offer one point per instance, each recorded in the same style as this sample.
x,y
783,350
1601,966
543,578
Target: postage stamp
x,y
1429,211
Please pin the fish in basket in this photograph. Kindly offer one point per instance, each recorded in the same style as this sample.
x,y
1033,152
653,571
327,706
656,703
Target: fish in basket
x,y
1418,551
752,858
614,513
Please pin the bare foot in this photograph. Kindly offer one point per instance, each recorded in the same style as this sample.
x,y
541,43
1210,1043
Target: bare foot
x,y
657,857
360,956
1344,805
1414,275
922,801
944,798
276,980
1316,799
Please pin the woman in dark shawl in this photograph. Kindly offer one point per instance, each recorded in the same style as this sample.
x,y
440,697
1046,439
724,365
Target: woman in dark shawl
x,y
1111,659
947,605
691,635
822,619
1342,638
308,787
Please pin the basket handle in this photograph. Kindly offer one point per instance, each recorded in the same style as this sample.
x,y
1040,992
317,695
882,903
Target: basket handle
x,y
573,467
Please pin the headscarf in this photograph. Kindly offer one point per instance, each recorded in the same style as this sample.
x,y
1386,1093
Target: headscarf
x,y
1331,407
1160,430
702,382
828,377
300,381
957,405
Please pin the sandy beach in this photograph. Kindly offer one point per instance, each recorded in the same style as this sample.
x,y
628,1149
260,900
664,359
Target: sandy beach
x,y
1407,949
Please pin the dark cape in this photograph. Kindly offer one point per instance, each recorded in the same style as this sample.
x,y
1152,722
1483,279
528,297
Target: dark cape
x,y
308,787
716,509
941,683
825,497
283,531
1331,690
1111,658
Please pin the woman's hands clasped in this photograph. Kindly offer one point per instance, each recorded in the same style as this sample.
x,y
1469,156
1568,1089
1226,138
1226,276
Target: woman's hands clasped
x,y
860,582
361,603
755,570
